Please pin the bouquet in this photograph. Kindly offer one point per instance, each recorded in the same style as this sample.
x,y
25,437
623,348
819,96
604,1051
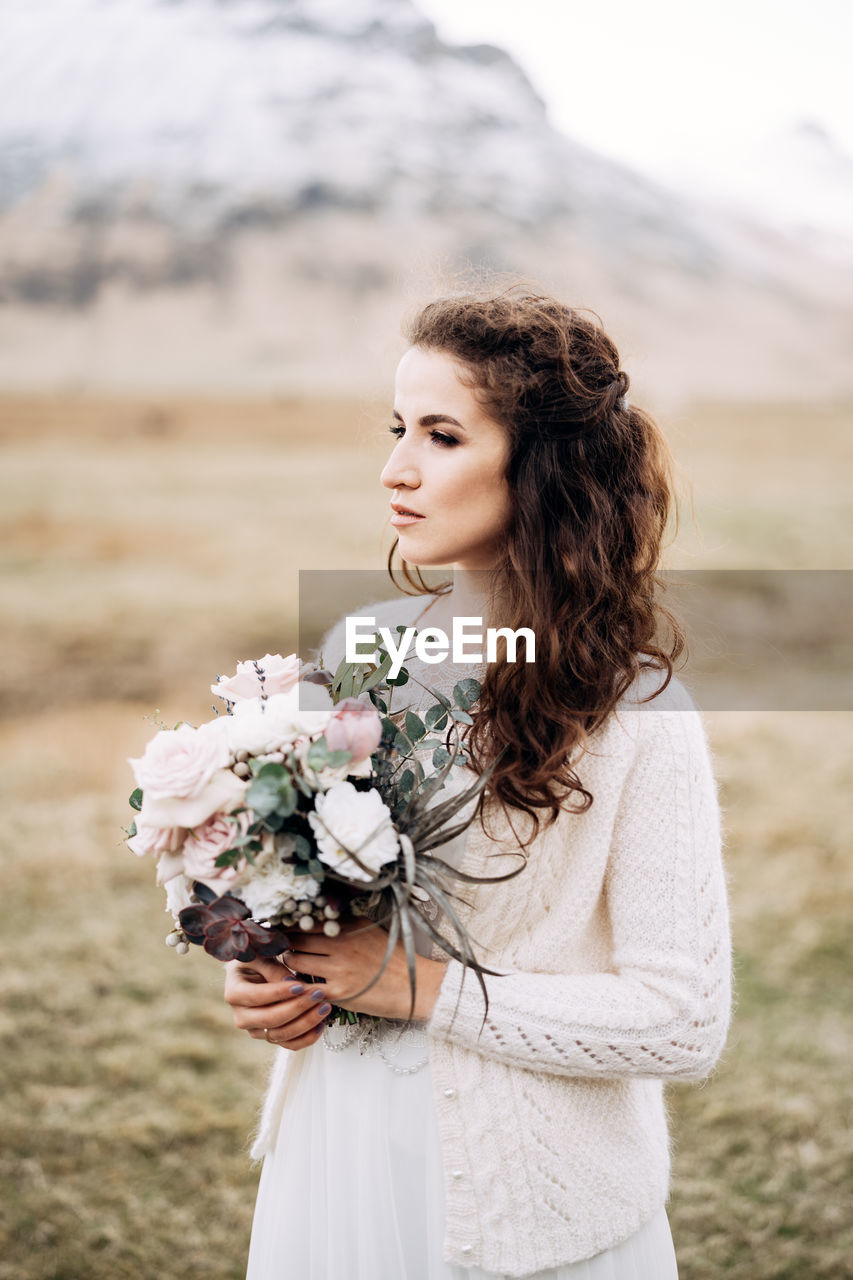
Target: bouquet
x,y
306,803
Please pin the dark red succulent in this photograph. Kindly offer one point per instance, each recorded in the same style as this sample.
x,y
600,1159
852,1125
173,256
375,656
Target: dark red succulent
x,y
223,926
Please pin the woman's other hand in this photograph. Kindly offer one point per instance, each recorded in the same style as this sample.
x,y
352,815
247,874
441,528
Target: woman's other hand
x,y
273,1005
348,961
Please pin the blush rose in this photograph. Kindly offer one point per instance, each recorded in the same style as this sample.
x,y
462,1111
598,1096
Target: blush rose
x,y
280,675
206,843
179,762
355,727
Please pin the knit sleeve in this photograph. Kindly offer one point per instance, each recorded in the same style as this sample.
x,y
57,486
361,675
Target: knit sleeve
x,y
662,1007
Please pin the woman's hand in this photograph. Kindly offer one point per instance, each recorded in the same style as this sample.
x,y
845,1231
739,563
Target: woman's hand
x,y
342,965
271,1004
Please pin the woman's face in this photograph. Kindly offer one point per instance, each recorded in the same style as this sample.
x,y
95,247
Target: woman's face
x,y
447,466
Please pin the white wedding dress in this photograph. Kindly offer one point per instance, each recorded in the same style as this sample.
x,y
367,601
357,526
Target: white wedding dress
x,y
353,1187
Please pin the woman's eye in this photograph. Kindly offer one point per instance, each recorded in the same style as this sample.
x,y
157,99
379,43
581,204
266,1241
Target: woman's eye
x,y
437,437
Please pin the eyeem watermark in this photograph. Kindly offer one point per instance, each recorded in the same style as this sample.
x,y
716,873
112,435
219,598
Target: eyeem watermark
x,y
432,644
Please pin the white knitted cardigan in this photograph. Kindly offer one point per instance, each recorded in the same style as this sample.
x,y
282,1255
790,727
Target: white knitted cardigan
x,y
614,950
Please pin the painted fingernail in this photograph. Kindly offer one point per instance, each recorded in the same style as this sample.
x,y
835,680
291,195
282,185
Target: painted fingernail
x,y
318,995
325,1008
297,989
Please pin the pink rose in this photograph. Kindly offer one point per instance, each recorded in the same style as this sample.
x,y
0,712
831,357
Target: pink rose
x,y
279,676
179,762
155,840
214,837
355,727
221,793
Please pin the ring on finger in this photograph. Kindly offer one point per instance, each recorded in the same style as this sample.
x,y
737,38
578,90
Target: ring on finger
x,y
267,1036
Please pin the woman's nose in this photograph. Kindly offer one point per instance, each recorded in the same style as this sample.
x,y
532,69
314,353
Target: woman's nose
x,y
399,471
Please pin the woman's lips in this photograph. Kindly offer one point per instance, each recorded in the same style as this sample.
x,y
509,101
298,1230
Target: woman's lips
x,y
400,518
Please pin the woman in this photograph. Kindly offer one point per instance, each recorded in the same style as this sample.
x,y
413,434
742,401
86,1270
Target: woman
x,y
534,1141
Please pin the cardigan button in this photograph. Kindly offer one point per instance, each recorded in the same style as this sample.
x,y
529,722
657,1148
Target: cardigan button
x,y
466,1248
450,1093
457,1173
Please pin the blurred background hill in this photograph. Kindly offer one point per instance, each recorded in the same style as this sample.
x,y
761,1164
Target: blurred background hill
x,y
240,197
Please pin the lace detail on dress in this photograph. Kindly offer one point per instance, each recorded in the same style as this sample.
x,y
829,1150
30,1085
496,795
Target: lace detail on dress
x,y
402,1046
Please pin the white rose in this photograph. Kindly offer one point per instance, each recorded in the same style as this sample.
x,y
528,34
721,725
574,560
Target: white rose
x,y
178,894
271,880
179,762
311,708
260,727
346,820
279,675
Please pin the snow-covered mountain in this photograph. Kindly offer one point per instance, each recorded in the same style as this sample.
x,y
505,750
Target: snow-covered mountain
x,y
206,192
215,112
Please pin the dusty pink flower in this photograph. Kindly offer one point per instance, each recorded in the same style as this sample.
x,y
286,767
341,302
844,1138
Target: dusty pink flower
x,y
179,762
204,845
155,840
355,727
221,793
280,675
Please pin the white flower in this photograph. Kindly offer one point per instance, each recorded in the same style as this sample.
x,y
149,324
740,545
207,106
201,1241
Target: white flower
x,y
323,779
279,675
261,727
311,708
355,821
178,894
271,880
179,762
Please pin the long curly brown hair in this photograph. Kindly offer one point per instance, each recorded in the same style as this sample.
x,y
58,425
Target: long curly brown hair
x,y
591,479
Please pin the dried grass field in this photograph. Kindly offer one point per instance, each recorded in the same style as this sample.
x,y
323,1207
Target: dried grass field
x,y
146,547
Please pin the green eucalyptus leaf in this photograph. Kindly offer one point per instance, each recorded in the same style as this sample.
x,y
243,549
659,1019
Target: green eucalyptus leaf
x,y
301,846
272,770
436,718
317,754
415,729
461,717
136,799
379,702
466,693
272,794
389,727
340,672
440,757
228,859
132,832
377,675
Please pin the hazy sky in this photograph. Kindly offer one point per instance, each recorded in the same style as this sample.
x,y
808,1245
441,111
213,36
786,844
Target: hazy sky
x,y
655,82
